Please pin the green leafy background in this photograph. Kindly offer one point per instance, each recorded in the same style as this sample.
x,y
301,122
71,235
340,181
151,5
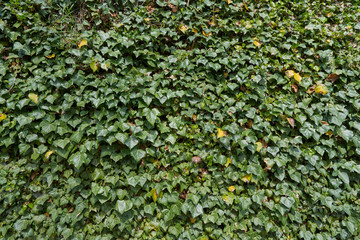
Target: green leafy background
x,y
125,115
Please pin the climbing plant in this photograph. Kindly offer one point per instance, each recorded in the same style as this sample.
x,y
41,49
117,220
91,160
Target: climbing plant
x,y
197,119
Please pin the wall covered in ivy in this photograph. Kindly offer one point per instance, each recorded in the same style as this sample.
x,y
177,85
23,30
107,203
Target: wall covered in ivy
x,y
197,119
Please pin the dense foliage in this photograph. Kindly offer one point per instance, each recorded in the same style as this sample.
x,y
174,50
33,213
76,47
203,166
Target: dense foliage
x,y
195,119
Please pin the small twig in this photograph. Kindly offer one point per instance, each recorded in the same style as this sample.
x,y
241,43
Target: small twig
x,y
11,88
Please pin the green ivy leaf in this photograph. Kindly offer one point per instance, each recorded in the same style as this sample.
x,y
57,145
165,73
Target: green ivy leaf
x,y
131,142
344,177
123,206
78,159
151,115
138,154
198,211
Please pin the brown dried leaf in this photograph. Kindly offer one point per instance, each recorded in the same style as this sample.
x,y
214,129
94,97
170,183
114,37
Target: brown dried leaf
x,y
174,8
291,122
150,9
332,77
311,89
264,144
13,64
249,123
294,88
184,194
34,175
204,171
196,159
267,166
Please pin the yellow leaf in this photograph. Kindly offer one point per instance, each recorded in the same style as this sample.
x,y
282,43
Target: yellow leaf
x,y
212,23
257,43
94,66
192,220
51,56
273,24
228,162
147,19
82,43
228,1
246,178
321,88
2,116
194,117
231,188
48,154
194,30
153,194
329,14
297,77
183,28
220,133
248,25
245,6
307,76
206,34
329,133
33,97
258,146
117,25
289,73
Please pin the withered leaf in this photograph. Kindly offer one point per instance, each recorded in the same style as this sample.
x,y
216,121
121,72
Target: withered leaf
x,y
249,123
196,159
291,122
332,77
311,89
